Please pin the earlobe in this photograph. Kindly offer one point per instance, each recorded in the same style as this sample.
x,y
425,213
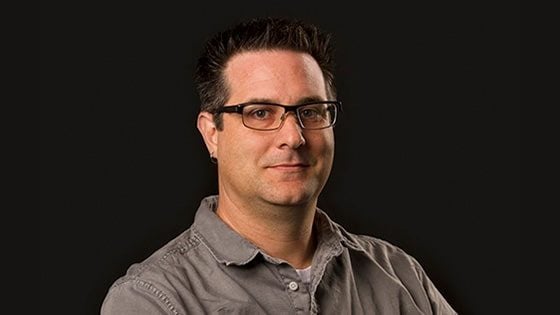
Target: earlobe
x,y
209,132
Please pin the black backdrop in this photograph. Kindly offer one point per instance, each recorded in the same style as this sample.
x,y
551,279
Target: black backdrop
x,y
427,152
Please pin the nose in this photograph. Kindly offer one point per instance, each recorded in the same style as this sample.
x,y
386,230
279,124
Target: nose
x,y
290,132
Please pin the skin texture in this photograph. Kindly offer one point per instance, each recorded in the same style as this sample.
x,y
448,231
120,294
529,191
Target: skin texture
x,y
269,181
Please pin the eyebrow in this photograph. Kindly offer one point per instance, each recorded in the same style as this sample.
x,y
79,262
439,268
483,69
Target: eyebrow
x,y
303,100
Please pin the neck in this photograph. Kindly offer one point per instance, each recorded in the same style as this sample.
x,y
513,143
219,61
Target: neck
x,y
280,231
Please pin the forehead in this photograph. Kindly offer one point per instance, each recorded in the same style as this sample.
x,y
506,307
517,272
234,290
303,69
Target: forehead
x,y
279,75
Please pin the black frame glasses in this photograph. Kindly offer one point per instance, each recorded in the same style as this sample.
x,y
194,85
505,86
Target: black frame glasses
x,y
301,111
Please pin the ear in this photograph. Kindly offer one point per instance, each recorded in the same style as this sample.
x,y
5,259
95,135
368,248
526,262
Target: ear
x,y
209,132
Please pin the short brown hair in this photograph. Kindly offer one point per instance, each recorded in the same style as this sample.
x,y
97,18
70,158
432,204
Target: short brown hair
x,y
265,33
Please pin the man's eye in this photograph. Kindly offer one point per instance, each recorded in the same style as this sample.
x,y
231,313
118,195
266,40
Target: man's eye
x,y
309,113
260,113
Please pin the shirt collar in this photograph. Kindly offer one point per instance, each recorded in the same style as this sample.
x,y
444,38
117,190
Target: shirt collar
x,y
331,234
230,248
226,245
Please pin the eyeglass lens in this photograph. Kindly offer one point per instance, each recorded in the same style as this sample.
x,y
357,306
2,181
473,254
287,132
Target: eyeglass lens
x,y
267,116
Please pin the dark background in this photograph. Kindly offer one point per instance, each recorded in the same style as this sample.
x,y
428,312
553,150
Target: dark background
x,y
427,148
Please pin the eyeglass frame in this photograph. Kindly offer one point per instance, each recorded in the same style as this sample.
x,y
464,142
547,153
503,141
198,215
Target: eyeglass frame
x,y
238,109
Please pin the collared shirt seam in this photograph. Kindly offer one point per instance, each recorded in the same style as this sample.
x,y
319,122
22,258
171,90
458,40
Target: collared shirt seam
x,y
152,290
190,243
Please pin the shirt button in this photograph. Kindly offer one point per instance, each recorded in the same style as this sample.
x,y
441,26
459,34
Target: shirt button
x,y
293,286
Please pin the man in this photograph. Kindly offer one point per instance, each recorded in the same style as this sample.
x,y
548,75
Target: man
x,y
262,245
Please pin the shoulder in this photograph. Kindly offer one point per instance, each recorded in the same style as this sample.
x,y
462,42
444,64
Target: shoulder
x,y
382,253
399,266
175,253
153,284
390,257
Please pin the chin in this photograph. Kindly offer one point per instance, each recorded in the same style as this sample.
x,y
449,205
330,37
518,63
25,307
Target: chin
x,y
290,197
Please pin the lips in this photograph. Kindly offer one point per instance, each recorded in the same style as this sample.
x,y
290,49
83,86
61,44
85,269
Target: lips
x,y
289,166
287,162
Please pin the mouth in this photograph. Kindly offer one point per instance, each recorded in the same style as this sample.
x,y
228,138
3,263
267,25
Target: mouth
x,y
291,166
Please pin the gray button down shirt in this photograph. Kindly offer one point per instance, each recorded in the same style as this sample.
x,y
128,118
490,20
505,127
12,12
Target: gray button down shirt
x,y
210,269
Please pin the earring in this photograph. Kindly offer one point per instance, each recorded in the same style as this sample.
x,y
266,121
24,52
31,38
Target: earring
x,y
213,159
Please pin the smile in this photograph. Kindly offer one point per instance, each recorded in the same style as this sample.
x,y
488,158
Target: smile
x,y
289,167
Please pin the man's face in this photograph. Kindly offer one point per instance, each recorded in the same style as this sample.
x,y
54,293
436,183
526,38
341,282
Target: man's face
x,y
287,166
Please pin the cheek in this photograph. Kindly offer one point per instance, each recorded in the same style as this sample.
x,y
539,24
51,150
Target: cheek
x,y
323,144
240,149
